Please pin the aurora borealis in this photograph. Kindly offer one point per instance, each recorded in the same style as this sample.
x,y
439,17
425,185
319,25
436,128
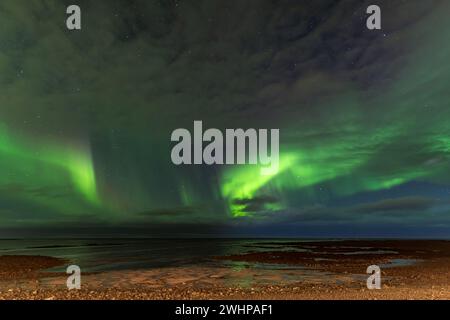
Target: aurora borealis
x,y
86,117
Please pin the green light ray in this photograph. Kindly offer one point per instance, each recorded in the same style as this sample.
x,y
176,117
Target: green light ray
x,y
46,164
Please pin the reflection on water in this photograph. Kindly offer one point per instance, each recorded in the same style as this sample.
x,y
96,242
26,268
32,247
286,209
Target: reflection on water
x,y
399,263
119,254
110,254
162,262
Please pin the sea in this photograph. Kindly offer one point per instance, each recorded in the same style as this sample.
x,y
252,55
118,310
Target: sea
x,y
96,255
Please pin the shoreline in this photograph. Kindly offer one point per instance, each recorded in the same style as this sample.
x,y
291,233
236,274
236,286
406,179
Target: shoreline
x,y
327,271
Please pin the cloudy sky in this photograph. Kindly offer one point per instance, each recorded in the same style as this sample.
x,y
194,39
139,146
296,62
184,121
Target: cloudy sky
x,y
86,117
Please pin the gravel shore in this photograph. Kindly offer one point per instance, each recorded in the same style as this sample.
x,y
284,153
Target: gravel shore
x,y
332,271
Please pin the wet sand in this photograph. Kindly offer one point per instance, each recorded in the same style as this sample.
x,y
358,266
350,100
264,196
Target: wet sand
x,y
418,269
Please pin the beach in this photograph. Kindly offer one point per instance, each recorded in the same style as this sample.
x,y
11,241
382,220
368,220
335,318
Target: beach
x,y
410,269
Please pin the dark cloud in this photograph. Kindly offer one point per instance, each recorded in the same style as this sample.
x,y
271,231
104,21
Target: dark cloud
x,y
411,208
256,204
170,211
405,205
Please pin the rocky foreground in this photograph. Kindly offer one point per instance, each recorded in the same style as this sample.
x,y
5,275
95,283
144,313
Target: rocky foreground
x,y
332,270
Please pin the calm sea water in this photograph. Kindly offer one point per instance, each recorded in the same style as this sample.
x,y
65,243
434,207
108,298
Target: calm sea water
x,y
119,254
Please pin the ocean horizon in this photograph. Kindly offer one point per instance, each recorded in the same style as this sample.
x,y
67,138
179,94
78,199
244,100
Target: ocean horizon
x,y
106,254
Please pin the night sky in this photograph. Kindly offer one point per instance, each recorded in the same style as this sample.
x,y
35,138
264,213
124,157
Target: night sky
x,y
86,118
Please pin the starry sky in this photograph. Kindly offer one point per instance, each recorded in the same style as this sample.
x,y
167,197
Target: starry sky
x,y
86,118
